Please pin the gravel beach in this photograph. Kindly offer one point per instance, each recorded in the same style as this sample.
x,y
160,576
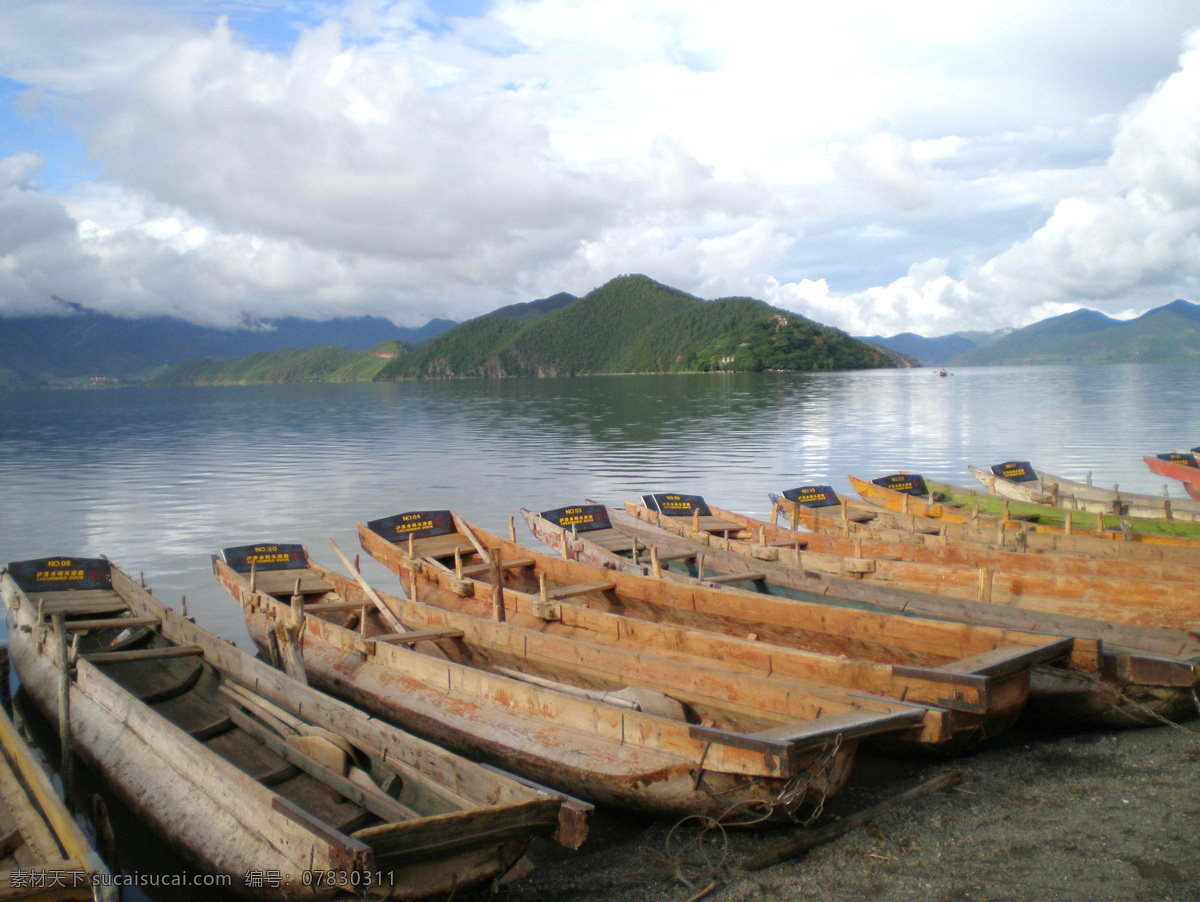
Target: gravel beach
x,y
1037,816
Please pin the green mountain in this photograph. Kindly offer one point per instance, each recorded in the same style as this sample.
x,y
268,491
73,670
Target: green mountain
x,y
322,364
633,324
1170,332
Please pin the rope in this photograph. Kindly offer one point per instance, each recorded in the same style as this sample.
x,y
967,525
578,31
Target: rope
x,y
1193,735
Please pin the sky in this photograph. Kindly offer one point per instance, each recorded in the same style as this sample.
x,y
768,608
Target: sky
x,y
881,167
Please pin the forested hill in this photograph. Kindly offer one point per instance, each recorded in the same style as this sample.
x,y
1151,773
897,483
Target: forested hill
x,y
633,324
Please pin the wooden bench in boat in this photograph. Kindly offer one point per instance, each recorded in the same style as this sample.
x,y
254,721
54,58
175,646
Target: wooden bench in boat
x,y
144,654
75,602
440,546
412,636
283,582
611,540
477,570
579,589
718,526
750,576
785,740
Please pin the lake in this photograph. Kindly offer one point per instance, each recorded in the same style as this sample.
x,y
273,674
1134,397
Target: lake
x,y
160,479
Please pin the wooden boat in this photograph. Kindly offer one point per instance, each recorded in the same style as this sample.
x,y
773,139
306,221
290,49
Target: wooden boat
x,y
956,504
980,675
244,770
1154,669
829,535
964,507
1019,481
1139,602
605,724
43,853
1180,466
820,509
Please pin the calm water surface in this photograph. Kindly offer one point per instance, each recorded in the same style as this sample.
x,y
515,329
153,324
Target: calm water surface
x,y
160,479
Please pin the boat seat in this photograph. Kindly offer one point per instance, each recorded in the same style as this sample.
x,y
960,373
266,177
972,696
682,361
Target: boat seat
x,y
718,526
283,582
580,589
611,540
440,546
418,636
677,556
516,563
79,602
755,576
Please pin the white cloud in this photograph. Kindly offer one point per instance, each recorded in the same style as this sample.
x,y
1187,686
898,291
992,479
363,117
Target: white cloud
x,y
1033,156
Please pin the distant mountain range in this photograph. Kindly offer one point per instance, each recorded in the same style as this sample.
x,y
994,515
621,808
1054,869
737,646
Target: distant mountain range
x,y
85,346
630,324
1170,332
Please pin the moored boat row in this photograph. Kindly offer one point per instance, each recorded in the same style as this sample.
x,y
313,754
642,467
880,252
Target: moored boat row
x,y
671,657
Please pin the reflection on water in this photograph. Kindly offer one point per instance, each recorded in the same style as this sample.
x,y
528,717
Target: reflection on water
x,y
158,480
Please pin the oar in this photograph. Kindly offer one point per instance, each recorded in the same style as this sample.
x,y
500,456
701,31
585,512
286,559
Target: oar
x,y
470,534
384,611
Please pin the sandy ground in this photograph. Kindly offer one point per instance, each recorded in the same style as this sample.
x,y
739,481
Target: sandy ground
x,y
1037,816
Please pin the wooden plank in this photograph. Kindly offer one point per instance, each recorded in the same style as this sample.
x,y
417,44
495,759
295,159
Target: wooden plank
x,y
283,582
104,623
477,570
407,638
580,589
442,546
334,607
144,654
374,800
782,740
718,525
749,576
1004,659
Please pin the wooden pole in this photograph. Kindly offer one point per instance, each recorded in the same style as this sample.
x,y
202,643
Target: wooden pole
x,y
497,586
67,759
384,611
457,563
512,529
985,585
655,566
696,520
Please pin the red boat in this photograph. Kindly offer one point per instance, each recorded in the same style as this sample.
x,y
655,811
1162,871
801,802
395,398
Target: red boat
x,y
1182,466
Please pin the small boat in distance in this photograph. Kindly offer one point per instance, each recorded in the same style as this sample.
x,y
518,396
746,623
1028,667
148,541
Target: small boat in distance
x,y
1176,465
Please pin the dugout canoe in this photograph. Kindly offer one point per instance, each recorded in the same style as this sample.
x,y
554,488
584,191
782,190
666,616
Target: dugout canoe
x,y
43,854
955,506
1139,676
607,725
821,509
1019,481
735,542
1184,467
980,676
830,535
245,771
958,504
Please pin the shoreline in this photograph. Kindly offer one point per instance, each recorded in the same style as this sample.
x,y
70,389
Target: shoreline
x,y
1039,815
